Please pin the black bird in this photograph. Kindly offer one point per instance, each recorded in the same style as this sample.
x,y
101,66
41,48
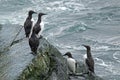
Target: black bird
x,y
37,27
33,42
89,60
28,23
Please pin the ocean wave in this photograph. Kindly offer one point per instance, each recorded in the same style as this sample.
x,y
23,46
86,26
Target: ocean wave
x,y
114,69
101,62
101,48
77,27
94,48
108,66
105,47
65,5
116,56
17,13
64,46
113,40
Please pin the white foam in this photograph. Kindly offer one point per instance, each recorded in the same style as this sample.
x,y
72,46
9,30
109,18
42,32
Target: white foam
x,y
101,62
18,16
113,40
102,47
57,32
113,69
116,55
65,5
64,46
77,47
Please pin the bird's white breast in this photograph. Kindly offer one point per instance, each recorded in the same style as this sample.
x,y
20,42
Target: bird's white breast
x,y
42,28
85,56
71,64
33,22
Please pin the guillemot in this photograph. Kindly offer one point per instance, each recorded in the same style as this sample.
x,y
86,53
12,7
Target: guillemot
x,y
72,64
89,60
33,42
38,26
28,23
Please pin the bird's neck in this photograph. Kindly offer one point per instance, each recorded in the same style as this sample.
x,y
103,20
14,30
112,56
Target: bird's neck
x,y
32,34
70,57
39,20
29,16
89,53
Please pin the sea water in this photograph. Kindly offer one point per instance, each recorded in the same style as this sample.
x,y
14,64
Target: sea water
x,y
71,23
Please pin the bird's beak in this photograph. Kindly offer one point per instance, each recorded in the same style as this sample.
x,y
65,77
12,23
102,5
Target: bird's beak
x,y
64,55
44,14
35,12
83,45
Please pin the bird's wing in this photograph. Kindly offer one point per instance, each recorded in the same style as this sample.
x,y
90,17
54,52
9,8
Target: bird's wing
x,y
90,65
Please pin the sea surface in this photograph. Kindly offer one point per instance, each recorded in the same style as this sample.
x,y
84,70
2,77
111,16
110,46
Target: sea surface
x,y
69,24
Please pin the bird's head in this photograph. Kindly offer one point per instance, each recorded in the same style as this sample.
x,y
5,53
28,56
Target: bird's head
x,y
86,46
41,14
31,12
68,54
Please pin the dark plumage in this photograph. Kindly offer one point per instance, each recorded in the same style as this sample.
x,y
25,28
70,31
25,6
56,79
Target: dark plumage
x,y
89,60
33,42
68,54
37,26
28,23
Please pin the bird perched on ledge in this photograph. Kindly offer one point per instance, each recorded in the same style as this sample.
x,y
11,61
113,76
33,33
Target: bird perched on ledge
x,y
89,60
28,23
33,42
72,64
38,27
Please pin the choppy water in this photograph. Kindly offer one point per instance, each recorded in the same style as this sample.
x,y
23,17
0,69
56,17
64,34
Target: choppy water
x,y
69,24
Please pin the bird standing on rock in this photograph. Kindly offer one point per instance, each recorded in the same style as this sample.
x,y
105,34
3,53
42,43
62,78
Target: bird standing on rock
x,y
33,42
28,23
72,64
38,26
89,60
